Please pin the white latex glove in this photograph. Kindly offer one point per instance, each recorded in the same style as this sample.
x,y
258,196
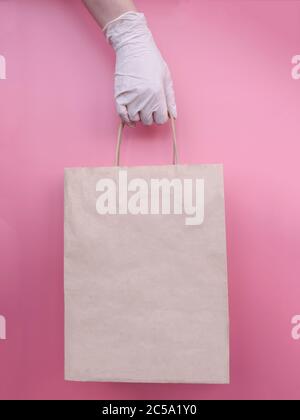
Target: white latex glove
x,y
143,85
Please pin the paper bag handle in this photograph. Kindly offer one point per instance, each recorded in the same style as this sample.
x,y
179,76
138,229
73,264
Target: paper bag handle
x,y
120,135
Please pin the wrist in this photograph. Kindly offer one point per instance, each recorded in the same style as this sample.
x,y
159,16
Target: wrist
x,y
105,11
129,28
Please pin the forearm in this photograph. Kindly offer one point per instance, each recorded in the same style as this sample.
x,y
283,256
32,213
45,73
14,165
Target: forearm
x,y
105,11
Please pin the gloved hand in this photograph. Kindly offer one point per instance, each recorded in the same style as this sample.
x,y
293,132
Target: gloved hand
x,y
143,84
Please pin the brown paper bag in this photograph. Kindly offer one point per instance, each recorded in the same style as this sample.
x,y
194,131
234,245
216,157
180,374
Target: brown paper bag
x,y
145,274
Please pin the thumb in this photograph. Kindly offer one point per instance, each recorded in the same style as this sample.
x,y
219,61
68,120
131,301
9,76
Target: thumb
x,y
122,111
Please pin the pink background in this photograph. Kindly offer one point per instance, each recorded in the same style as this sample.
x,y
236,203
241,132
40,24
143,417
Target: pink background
x,y
237,103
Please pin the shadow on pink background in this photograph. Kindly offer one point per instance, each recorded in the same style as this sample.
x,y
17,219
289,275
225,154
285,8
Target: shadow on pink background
x,y
238,104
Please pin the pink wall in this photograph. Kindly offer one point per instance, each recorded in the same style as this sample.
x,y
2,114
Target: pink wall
x,y
238,104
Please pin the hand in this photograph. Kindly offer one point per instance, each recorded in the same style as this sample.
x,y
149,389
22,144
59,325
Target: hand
x,y
143,85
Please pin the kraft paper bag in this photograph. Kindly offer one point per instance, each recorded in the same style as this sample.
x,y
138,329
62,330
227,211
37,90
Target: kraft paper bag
x,y
146,287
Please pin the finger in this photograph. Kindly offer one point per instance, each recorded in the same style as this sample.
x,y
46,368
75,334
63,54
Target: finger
x,y
122,111
170,96
161,115
133,114
146,118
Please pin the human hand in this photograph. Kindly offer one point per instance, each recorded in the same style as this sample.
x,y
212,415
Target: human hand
x,y
143,85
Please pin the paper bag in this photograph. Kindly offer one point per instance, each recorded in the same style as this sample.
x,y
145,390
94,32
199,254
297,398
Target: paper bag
x,y
145,274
